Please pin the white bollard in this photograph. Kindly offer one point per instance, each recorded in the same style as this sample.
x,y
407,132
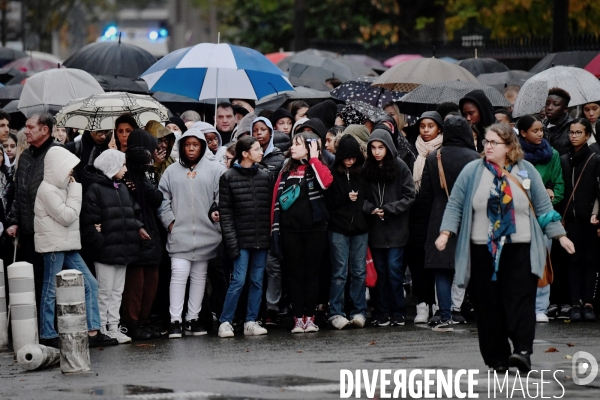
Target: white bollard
x,y
36,356
3,317
72,322
23,313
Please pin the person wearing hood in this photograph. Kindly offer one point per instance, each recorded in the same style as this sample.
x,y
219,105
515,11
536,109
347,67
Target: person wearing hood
x,y
547,162
429,141
299,225
406,151
389,193
91,145
57,208
162,154
316,126
478,111
272,158
457,151
178,127
110,222
360,133
348,234
244,127
325,111
214,143
244,204
189,188
558,120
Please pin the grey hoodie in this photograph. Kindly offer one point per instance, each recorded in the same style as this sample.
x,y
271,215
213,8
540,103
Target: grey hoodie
x,y
188,196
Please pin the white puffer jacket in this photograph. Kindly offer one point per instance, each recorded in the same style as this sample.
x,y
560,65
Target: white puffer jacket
x,y
58,204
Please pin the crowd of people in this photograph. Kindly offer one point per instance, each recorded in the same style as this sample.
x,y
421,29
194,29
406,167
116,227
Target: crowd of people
x,y
277,213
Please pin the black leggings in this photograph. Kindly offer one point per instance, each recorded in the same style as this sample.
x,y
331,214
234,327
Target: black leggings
x,y
303,253
504,309
583,265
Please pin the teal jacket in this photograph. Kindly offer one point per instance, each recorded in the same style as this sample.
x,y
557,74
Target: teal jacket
x,y
458,218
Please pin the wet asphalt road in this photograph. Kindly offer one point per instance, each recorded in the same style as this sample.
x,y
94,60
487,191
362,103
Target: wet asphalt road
x,y
285,366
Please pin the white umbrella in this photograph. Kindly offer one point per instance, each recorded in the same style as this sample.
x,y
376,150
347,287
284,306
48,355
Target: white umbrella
x,y
50,90
582,85
98,112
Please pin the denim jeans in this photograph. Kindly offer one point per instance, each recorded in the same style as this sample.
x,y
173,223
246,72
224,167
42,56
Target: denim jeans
x,y
273,294
348,253
389,300
256,259
542,299
53,264
443,288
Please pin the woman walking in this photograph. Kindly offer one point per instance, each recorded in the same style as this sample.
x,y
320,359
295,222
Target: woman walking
x,y
189,188
501,249
389,194
299,217
244,212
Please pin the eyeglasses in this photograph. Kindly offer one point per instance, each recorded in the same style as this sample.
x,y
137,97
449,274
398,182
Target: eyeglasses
x,y
492,143
575,133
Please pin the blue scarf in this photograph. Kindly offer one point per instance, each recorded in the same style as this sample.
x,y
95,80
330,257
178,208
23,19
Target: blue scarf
x,y
536,153
501,213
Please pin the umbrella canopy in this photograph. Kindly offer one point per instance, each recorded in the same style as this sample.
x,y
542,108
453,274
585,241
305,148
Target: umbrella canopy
x,y
280,55
500,80
284,64
111,59
581,85
363,91
367,61
17,118
309,96
594,66
9,93
50,90
400,58
121,84
208,71
565,58
427,96
312,71
19,78
6,74
29,64
99,111
408,75
40,55
7,55
478,66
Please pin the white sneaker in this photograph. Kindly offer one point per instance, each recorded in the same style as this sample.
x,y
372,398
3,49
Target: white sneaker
x,y
422,314
541,317
309,325
358,321
119,334
298,325
253,328
339,322
226,330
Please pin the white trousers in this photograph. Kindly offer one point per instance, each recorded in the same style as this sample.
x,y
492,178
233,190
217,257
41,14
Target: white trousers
x,y
111,282
180,271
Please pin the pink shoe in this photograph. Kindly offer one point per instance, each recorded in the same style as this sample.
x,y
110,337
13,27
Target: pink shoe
x,y
298,325
309,324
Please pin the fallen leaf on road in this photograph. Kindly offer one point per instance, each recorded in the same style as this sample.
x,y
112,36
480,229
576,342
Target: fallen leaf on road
x,y
144,345
299,351
571,344
568,357
100,348
247,351
551,350
372,343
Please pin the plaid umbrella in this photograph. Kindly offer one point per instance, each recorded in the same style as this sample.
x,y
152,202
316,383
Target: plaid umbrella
x,y
427,96
363,91
99,111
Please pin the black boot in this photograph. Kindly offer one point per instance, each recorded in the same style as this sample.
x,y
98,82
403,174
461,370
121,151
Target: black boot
x,y
136,332
521,361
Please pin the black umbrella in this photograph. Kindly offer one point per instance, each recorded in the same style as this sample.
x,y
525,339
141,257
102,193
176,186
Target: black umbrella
x,y
427,96
478,66
6,74
111,59
17,118
19,78
363,91
500,80
577,59
121,84
9,93
7,55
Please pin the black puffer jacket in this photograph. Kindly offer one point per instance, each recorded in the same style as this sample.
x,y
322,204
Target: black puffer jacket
x,y
28,178
113,207
245,208
558,135
281,141
273,162
588,190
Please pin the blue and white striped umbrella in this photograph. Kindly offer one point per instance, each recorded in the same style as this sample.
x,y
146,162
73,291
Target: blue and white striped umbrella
x,y
242,73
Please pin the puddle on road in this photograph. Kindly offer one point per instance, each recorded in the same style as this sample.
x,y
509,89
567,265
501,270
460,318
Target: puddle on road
x,y
278,380
392,359
119,390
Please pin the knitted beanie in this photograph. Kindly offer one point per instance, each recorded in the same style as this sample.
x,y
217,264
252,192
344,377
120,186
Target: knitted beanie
x,y
110,162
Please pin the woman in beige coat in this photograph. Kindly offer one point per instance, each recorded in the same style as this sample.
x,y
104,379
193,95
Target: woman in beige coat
x,y
57,208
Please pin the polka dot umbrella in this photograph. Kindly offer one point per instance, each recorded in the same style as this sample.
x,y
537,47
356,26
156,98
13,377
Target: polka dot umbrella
x,y
363,91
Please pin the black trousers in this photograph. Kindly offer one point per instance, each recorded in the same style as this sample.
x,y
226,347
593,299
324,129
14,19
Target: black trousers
x,y
423,280
559,289
504,309
583,265
303,253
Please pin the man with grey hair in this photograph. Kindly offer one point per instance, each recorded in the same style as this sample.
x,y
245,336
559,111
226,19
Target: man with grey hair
x,y
29,176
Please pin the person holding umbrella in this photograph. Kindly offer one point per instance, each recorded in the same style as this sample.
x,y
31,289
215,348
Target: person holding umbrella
x,y
557,122
501,249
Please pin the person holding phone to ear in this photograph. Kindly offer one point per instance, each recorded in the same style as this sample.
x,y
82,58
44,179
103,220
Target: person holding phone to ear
x,y
348,234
